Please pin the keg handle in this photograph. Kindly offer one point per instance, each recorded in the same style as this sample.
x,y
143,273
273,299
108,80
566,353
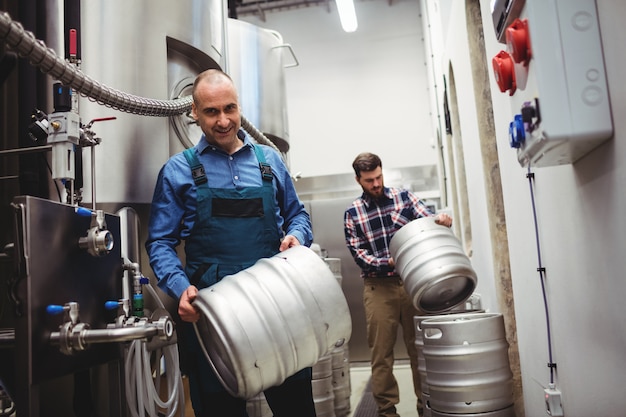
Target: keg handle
x,y
432,333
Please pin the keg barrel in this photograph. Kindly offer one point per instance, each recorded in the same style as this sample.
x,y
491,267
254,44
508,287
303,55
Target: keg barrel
x,y
341,380
419,340
505,412
323,397
265,323
335,265
323,367
467,363
437,274
322,387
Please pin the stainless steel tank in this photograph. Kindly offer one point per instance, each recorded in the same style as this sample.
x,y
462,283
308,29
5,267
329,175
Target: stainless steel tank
x,y
257,58
437,274
265,323
146,48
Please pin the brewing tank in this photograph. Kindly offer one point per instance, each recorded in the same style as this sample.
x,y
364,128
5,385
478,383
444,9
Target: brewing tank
x,y
145,48
257,58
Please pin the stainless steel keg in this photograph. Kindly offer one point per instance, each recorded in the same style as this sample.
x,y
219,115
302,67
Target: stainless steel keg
x,y
437,274
267,322
467,363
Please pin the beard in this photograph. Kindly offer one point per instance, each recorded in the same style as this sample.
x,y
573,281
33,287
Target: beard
x,y
376,193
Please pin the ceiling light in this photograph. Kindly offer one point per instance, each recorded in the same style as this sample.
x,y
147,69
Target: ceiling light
x,y
347,15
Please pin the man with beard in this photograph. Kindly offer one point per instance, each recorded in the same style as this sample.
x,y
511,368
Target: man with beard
x,y
369,224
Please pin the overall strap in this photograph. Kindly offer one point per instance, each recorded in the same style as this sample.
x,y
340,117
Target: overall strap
x,y
197,170
266,169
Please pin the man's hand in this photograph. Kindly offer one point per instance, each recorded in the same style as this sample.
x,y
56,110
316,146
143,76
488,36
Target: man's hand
x,y
187,311
443,219
288,242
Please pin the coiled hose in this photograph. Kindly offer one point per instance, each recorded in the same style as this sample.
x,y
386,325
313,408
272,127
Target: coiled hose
x,y
142,389
27,46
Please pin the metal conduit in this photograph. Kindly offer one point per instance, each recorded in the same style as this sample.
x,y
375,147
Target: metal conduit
x,y
119,334
27,46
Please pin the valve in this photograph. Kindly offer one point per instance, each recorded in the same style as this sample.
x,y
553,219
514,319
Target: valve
x,y
88,136
69,335
99,241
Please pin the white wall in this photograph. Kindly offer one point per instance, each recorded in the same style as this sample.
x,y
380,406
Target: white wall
x,y
579,206
581,233
335,112
355,92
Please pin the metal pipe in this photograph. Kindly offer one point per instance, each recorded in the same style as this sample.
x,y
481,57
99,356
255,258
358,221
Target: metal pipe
x,y
118,334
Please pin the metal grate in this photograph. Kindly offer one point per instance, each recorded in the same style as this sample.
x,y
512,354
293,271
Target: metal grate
x,y
367,406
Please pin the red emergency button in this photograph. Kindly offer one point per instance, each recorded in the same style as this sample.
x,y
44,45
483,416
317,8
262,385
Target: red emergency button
x,y
504,71
518,41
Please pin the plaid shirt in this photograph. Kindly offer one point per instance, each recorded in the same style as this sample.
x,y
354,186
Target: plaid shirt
x,y
370,224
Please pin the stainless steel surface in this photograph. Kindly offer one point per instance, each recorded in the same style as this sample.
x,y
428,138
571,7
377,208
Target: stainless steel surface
x,y
55,271
341,380
505,412
129,245
268,321
437,274
256,64
171,41
121,334
422,180
419,342
467,363
49,62
327,198
323,396
327,220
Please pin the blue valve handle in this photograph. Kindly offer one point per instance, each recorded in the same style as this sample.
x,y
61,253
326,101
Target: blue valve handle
x,y
111,305
55,309
82,211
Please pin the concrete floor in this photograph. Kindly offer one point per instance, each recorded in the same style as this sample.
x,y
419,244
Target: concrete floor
x,y
360,375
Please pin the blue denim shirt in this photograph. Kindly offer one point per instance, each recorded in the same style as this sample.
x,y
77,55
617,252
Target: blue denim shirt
x,y
174,204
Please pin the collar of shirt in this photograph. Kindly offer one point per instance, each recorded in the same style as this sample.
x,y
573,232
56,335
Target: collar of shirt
x,y
203,144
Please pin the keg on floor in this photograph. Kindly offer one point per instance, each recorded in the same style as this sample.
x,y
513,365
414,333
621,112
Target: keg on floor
x,y
419,345
437,274
267,322
322,387
467,364
341,380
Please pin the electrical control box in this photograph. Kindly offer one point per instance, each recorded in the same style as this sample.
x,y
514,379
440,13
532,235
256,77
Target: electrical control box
x,y
560,94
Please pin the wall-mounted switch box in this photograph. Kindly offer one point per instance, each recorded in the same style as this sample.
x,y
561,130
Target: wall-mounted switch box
x,y
566,75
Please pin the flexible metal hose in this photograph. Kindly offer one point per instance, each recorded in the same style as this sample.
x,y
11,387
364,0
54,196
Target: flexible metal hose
x,y
27,46
24,43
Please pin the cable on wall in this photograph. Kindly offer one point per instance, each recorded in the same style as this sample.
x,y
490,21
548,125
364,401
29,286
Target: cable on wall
x,y
542,274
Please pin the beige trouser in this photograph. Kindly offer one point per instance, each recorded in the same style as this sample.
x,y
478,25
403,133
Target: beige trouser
x,y
387,306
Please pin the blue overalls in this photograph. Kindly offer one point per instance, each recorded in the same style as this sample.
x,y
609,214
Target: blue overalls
x,y
233,229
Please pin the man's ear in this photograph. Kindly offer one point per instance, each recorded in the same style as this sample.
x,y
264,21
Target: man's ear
x,y
194,114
